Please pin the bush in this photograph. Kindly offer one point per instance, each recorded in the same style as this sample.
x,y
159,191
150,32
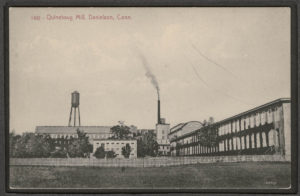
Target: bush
x,y
59,154
126,151
100,153
110,154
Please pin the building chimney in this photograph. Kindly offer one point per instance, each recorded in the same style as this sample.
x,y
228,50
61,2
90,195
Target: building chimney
x,y
158,111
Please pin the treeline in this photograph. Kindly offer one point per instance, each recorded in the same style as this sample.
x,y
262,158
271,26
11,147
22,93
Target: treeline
x,y
31,145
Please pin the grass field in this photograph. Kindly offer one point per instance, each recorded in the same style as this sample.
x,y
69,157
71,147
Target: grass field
x,y
217,175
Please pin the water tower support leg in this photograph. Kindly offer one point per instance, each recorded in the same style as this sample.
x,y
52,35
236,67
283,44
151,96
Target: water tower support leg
x,y
70,117
79,115
75,117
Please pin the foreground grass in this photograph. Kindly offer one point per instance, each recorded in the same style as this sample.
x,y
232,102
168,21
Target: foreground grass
x,y
217,175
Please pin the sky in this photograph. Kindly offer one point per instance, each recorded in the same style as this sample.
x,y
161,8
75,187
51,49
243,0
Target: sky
x,y
205,61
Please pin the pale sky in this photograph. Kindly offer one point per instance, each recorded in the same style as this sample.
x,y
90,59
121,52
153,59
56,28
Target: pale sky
x,y
207,61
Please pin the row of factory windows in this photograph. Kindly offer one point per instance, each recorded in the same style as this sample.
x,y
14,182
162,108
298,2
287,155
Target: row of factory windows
x,y
117,143
253,140
114,149
257,140
91,136
197,150
250,121
164,147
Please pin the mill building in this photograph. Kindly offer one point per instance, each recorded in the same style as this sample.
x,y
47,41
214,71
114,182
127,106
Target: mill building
x,y
262,130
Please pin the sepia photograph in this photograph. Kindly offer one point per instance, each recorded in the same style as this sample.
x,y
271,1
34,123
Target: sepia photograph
x,y
150,98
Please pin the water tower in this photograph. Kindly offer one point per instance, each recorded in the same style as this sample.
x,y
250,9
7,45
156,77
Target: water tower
x,y
74,107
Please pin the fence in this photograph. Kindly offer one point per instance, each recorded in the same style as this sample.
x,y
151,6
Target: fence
x,y
143,162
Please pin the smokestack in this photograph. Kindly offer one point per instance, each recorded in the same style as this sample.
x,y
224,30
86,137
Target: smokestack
x,y
158,111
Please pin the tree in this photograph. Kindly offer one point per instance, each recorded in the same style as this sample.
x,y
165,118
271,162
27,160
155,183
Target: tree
x,y
110,154
208,136
126,151
120,132
80,146
39,145
13,139
147,145
31,145
99,153
59,153
140,148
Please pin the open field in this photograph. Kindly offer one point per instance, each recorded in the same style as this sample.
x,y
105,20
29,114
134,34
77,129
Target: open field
x,y
216,175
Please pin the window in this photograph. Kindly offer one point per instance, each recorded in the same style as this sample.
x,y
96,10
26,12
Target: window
x,y
270,116
233,126
238,125
257,119
242,143
252,121
247,123
247,142
238,143
264,139
257,140
263,117
252,141
273,138
234,143
230,144
242,124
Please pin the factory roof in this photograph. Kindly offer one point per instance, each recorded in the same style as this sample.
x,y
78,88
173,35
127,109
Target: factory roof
x,y
261,107
67,129
187,127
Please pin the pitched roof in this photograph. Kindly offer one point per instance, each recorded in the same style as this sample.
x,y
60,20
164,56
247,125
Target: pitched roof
x,y
190,126
69,130
261,107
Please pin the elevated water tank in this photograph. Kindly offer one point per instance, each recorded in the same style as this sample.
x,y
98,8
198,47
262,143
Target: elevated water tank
x,y
75,99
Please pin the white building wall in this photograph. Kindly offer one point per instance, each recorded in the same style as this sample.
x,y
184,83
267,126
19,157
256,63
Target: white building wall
x,y
287,127
162,131
116,146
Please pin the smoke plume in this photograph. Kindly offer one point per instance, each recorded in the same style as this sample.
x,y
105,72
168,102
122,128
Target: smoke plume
x,y
149,74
